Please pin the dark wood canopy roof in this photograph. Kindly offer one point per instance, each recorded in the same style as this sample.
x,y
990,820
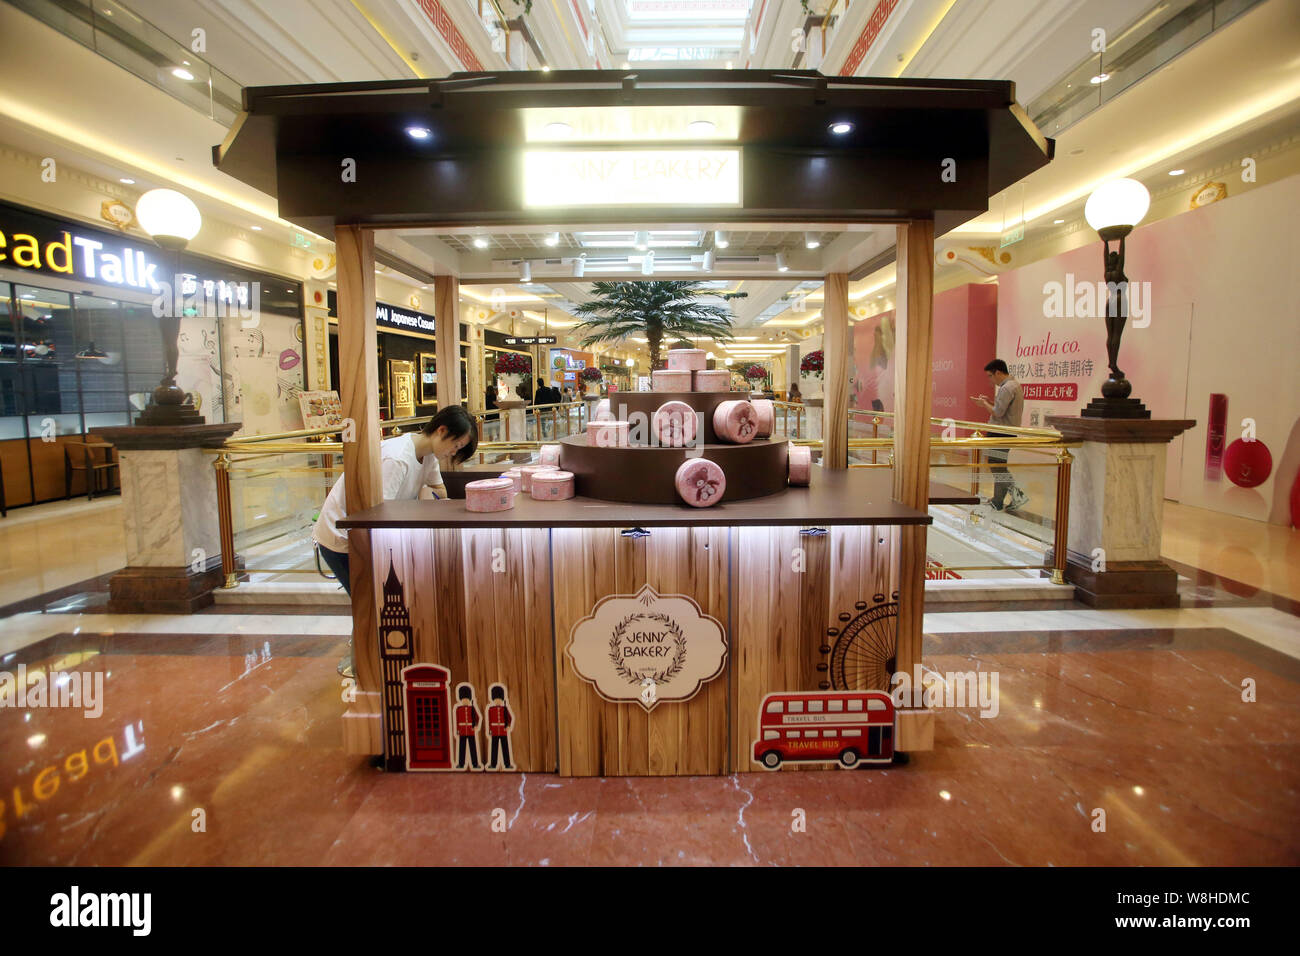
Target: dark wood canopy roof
x,y
290,142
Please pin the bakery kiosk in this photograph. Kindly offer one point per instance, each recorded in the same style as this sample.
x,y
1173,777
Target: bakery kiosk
x,y
675,591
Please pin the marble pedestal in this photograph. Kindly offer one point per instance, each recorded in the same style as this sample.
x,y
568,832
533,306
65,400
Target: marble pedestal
x,y
812,418
169,514
513,422
1117,493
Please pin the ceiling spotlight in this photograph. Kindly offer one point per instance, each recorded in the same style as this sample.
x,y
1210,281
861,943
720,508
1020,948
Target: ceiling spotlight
x,y
418,132
546,69
1099,79
643,240
708,260
481,242
1057,222
811,240
182,74
525,271
702,127
255,228
648,264
557,129
728,361
127,182
781,263
841,128
579,266
720,239
1176,172
553,239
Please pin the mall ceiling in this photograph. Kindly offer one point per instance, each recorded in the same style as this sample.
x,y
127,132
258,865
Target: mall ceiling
x,y
1236,92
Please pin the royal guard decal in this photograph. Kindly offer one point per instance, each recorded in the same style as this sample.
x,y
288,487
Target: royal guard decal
x,y
844,727
467,724
500,724
647,648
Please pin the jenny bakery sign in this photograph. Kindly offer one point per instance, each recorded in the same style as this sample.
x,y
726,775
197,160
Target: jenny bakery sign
x,y
647,648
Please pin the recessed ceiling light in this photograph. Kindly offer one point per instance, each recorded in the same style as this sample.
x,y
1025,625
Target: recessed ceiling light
x,y
182,74
811,240
557,129
546,69
1077,151
256,228
720,239
1099,79
643,240
1057,222
553,239
780,263
481,242
701,127
1176,172
840,128
127,182
418,132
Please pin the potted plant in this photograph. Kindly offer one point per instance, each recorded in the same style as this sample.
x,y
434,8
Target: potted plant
x,y
511,368
754,377
591,378
810,374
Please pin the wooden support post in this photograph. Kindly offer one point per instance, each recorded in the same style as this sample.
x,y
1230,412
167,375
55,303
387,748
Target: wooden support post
x,y
446,311
914,328
835,404
363,481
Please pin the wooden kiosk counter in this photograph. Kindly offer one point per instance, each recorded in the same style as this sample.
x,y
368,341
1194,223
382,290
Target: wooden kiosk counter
x,y
519,631
565,604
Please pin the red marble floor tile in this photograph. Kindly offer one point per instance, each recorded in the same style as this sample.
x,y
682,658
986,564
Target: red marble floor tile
x,y
1158,737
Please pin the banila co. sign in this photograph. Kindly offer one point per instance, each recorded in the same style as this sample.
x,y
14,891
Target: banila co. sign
x,y
647,648
631,177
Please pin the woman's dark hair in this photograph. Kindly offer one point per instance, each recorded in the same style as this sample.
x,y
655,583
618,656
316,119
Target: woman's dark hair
x,y
458,424
997,365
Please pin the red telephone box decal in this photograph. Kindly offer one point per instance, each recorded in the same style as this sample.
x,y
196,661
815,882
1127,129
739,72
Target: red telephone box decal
x,y
428,716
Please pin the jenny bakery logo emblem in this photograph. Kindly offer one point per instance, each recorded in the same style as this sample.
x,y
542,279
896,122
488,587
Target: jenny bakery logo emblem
x,y
647,648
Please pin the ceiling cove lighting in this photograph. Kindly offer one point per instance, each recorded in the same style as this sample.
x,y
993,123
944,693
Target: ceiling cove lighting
x,y
418,132
481,242
525,271
781,265
841,128
811,240
720,239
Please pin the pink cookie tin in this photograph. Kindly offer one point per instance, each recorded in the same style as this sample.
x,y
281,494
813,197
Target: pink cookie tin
x,y
527,472
550,455
700,482
670,380
515,475
607,434
765,413
552,485
686,360
735,422
674,424
490,494
713,380
800,465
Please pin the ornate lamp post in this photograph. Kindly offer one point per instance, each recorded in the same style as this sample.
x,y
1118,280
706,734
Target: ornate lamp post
x,y
1113,210
172,220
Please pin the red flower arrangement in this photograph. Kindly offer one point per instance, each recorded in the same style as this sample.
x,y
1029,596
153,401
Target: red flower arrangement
x,y
511,363
590,375
812,364
755,372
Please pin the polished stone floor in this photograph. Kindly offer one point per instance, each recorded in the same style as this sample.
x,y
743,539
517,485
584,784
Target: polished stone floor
x,y
219,743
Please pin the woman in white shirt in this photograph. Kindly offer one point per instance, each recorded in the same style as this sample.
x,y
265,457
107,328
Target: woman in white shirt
x,y
410,470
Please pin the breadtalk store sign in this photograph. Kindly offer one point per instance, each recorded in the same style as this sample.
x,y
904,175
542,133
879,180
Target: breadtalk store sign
x,y
631,177
647,648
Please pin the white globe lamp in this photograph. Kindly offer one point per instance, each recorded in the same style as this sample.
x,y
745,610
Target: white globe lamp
x,y
1114,208
170,218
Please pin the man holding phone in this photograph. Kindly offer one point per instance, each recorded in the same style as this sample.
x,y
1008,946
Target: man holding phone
x,y
1007,408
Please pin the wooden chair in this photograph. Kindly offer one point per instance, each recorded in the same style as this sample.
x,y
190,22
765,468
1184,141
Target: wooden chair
x,y
79,456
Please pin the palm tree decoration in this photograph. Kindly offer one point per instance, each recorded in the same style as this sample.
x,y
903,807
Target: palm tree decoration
x,y
618,310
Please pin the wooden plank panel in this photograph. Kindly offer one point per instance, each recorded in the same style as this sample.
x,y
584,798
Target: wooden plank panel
x,y
837,344
446,310
540,635
577,578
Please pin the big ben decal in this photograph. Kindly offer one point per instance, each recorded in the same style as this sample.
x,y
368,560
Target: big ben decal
x,y
395,651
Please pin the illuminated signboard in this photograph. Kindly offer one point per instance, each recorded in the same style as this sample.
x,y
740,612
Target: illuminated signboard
x,y
403,320
631,177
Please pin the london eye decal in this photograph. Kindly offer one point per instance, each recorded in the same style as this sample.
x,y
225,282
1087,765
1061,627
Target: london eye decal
x,y
862,648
